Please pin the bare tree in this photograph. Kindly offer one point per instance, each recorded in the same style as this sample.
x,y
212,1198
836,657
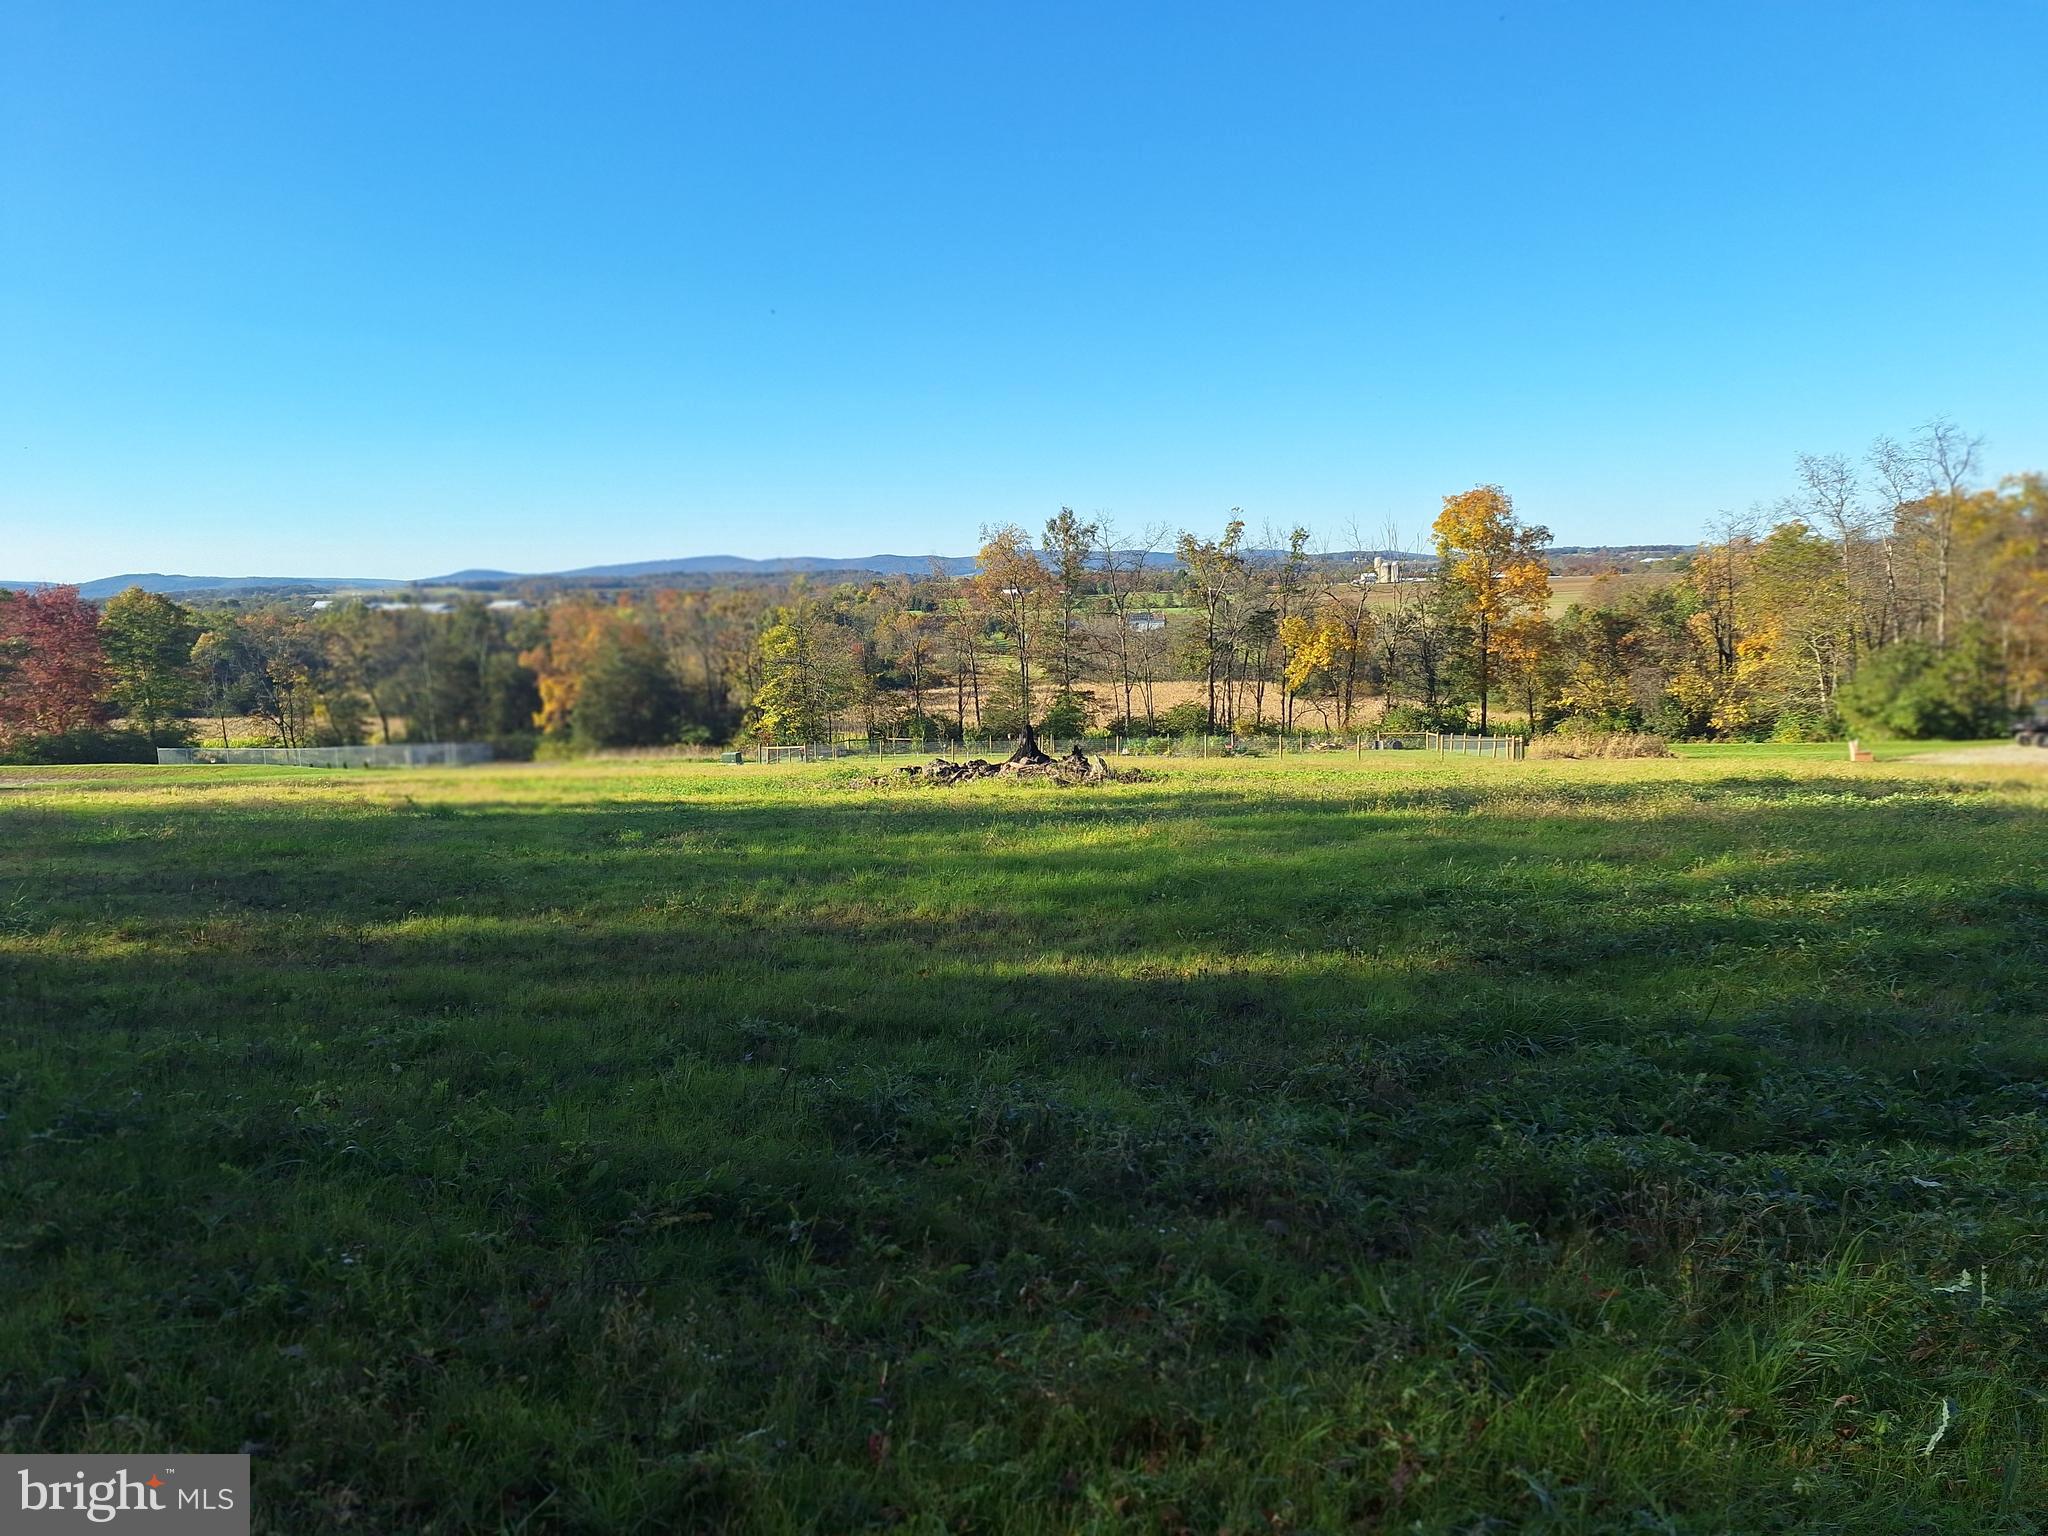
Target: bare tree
x,y
1123,576
1901,478
965,625
1950,458
1393,631
1831,499
1716,577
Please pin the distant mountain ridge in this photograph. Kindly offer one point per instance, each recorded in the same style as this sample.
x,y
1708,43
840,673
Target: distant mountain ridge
x,y
693,565
701,566
156,581
741,565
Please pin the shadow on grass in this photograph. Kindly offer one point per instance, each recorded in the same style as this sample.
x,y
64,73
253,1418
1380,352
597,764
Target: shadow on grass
x,y
575,1157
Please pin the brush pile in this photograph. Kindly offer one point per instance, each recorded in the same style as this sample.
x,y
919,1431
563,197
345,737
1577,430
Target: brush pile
x,y
1029,762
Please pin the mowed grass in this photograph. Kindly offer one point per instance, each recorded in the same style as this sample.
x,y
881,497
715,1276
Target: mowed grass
x,y
1312,1145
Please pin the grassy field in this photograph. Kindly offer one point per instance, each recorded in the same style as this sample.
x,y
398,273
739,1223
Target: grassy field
x,y
1300,1145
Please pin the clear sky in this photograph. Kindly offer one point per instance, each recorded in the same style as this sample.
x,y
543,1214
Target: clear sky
x,y
375,289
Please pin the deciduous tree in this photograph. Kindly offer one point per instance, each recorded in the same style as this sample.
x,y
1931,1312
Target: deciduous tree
x,y
1214,572
1492,571
148,640
55,663
1011,581
806,674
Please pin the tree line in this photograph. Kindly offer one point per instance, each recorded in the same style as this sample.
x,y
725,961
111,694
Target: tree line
x,y
1889,593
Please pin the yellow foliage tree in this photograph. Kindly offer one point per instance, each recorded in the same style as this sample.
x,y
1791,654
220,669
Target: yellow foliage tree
x,y
1329,642
1491,566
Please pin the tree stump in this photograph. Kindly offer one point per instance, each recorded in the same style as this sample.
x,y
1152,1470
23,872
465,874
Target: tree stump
x,y
1028,753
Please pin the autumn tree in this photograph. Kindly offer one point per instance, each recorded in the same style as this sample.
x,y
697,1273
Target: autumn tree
x,y
1491,570
1600,652
370,649
1214,572
1350,603
964,630
1413,651
1328,634
1715,574
708,638
55,663
2018,585
218,659
1527,646
563,657
1069,546
805,674
1794,613
285,658
1830,502
264,664
1290,596
909,639
1323,649
148,640
1011,581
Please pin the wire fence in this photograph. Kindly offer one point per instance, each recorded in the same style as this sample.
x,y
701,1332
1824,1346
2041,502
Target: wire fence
x,y
422,754
449,754
1514,747
1260,745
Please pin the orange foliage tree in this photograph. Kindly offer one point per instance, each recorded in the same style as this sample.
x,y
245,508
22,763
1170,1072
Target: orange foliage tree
x,y
577,629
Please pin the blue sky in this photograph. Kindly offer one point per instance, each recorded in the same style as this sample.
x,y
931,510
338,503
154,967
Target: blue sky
x,y
391,289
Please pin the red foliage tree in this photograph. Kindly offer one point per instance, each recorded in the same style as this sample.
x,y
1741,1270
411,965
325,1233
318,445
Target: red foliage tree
x,y
53,670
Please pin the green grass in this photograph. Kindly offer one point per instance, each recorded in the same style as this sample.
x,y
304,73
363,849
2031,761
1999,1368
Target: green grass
x,y
1281,1146
1822,751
